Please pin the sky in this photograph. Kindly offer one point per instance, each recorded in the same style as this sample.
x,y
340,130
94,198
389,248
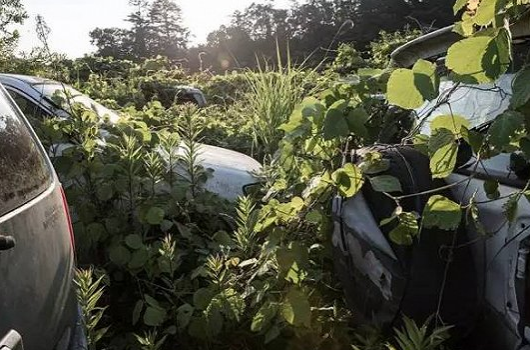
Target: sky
x,y
70,21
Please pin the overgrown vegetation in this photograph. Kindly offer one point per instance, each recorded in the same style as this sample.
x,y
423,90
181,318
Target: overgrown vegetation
x,y
178,266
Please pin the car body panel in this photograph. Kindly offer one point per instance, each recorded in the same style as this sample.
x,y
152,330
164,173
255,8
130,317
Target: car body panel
x,y
37,293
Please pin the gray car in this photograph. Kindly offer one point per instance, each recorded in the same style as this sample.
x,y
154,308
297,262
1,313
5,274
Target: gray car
x,y
38,305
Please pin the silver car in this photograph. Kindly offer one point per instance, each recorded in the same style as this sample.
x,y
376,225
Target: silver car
x,y
38,304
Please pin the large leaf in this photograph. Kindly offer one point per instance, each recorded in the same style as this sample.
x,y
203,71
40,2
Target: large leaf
x,y
155,216
264,316
335,124
134,241
521,88
120,255
184,314
385,183
356,120
443,151
410,88
202,298
504,129
406,230
348,180
490,58
154,316
441,212
296,308
453,123
487,11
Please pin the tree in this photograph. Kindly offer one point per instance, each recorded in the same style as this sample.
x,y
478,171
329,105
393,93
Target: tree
x,y
112,42
140,27
11,13
169,36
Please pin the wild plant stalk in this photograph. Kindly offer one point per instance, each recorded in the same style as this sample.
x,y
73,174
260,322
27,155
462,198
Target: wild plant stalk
x,y
274,93
150,341
89,292
189,131
245,234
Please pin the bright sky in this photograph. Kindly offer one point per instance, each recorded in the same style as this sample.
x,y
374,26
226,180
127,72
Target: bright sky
x,y
70,21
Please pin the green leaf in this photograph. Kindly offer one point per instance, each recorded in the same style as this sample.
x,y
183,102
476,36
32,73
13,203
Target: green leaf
x,y
120,255
134,241
487,11
521,88
296,309
374,163
425,79
441,212
138,259
272,333
155,216
491,187
151,301
459,4
356,120
498,57
469,68
401,90
453,123
264,316
410,88
137,311
443,153
335,124
511,207
474,218
385,183
184,314
348,180
406,230
504,128
154,316
202,298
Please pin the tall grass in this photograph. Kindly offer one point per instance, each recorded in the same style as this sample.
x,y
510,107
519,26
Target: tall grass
x,y
274,93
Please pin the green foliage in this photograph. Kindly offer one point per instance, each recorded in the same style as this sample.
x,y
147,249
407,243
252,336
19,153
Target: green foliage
x,y
412,337
89,293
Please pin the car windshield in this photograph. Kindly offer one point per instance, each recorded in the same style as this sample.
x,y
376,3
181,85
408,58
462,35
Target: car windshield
x,y
60,93
479,104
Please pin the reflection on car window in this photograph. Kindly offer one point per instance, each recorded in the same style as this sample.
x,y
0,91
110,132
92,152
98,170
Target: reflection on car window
x,y
23,168
32,111
64,95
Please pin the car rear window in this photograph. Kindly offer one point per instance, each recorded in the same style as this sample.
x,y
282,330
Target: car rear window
x,y
24,172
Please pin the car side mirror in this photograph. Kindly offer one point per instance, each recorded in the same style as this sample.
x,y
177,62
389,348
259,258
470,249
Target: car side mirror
x,y
11,341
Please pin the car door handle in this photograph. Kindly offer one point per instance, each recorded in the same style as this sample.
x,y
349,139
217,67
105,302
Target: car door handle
x,y
11,341
7,242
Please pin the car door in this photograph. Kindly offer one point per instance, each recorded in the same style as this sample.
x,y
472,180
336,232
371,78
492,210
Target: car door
x,y
503,250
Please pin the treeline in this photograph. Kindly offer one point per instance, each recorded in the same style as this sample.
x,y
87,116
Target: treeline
x,y
311,30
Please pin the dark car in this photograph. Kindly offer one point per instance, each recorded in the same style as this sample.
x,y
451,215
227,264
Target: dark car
x,y
37,293
477,278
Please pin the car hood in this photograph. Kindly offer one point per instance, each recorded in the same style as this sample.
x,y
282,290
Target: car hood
x,y
231,170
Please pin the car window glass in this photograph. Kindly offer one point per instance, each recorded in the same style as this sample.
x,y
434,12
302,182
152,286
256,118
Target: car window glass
x,y
65,95
23,167
31,110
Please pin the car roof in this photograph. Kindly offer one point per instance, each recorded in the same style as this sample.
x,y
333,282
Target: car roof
x,y
437,43
29,79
